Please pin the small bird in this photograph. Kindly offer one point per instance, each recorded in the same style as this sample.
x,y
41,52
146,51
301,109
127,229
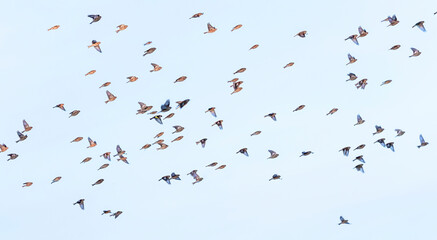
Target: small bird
x,y
306,153
158,135
254,47
241,70
422,142
121,27
202,142
157,118
380,141
359,120
98,182
12,156
166,106
146,146
386,82
334,110
106,212
54,27
420,26
195,176
352,77
236,27
255,133
196,15
275,177
301,34
359,158
119,151
169,116
175,176
162,146
272,116
81,203
273,154
156,67
360,147
299,108
359,168
166,178
178,129
27,128
362,32
177,139
96,46
74,113
143,108
353,38
211,29
132,79
92,143
351,59
395,47
61,106
111,97
290,64
379,129
27,184
147,43
123,159
345,151
56,179
90,72
343,221
153,112
361,84
233,80
118,213
415,52
95,18
392,20
21,136
104,166
181,79
221,167
158,142
237,89
243,151
212,164
86,160
219,124
149,51
390,145
182,104
106,155
3,147
399,132
212,111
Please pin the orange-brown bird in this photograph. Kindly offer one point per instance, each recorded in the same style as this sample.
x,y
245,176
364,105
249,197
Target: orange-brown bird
x,y
158,142
123,159
181,79
105,84
54,27
146,146
86,160
236,27
3,147
177,139
56,179
299,108
119,151
27,128
236,90
211,29
103,166
149,51
132,79
121,27
143,108
111,97
106,155
169,116
106,212
92,143
360,147
147,43
162,146
362,32
392,20
254,47
361,84
96,46
273,154
196,15
61,106
255,133
241,70
359,120
154,112
334,110
351,59
415,52
156,67
159,135
74,113
379,129
352,77
212,111
272,116
289,64
395,47
386,82
233,80
195,176
78,139
27,184
301,34
178,129
221,167
90,72
118,213
98,182
212,164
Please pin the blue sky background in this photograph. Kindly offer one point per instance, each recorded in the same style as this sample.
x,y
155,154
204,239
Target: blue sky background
x,y
395,198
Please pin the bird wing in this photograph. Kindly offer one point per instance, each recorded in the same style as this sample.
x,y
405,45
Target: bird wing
x,y
421,139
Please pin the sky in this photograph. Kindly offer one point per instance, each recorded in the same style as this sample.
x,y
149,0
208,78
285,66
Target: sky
x,y
394,198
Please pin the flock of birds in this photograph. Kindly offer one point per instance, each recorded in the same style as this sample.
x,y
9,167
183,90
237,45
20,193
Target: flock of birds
x,y
237,87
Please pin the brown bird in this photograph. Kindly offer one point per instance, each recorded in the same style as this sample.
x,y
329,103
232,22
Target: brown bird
x,y
106,155
399,132
78,139
272,116
90,72
202,142
351,59
54,27
111,97
254,47
81,203
123,158
118,213
156,67
238,89
27,128
74,113
119,151
241,70
158,142
96,46
301,34
146,146
299,108
162,146
233,80
362,32
395,47
121,27
103,166
27,184
211,164
159,135
3,147
345,151
221,167
61,106
415,52
56,179
334,110
98,182
359,158
219,124
360,147
106,212
195,176
178,129
132,79
273,154
153,112
236,27
352,77
12,156
86,160
359,168
255,133
177,139
386,82
147,43
275,177
392,20
105,84
169,116
212,111
92,143
359,120
289,64
143,108
379,129
196,15
149,51
361,84
181,79
211,29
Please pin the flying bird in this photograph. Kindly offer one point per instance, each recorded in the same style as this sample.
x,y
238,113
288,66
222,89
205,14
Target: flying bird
x,y
119,151
273,154
96,46
360,147
306,153
27,184
81,203
3,147
290,64
78,139
254,47
106,212
255,133
60,106
143,108
379,129
334,110
162,146
147,43
272,116
390,145
181,79
175,176
196,15
386,82
359,168
90,72
169,116
275,177
27,128
202,142
392,20
243,151
351,59
74,113
106,155
157,118
182,104
381,141
353,38
362,32
211,29
241,70
212,111
158,135
395,47
149,51
132,79
219,124
345,151
177,139
92,143
121,27
98,182
53,28
166,106
146,146
352,77
359,158
415,52
178,129
343,221
195,176
361,84
111,97
86,160
21,136
56,179
399,132
212,164
299,108
95,18
156,67
236,27
301,34
104,166
359,120
12,156
423,143
420,26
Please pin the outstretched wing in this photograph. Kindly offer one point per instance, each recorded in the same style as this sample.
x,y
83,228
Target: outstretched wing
x,y
119,149
109,94
20,135
421,139
25,124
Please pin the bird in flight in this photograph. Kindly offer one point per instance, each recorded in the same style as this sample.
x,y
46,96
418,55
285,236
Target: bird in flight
x,y
423,143
196,15
27,127
21,136
392,20
111,97
211,29
53,28
195,176
275,177
415,52
273,154
96,46
343,221
351,59
359,120
121,27
81,203
420,26
236,27
301,34
95,18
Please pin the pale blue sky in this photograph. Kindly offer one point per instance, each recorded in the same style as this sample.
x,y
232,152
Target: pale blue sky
x,y
394,199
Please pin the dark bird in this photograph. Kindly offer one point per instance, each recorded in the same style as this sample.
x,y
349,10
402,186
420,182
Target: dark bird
x,y
212,111
422,142
98,182
166,106
359,158
243,151
360,147
352,77
106,212
345,151
118,213
162,146
272,116
359,168
195,176
21,136
157,118
343,221
202,142
306,153
181,104
219,124
149,51
175,176
399,132
390,145
212,164
420,26
60,106
392,20
106,155
381,141
178,129
361,84
275,177
353,38
81,203
95,18
12,156
166,179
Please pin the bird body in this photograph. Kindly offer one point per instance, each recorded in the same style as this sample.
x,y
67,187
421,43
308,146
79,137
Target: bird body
x,y
121,27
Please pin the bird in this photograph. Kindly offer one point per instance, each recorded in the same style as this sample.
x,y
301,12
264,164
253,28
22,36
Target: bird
x,y
98,182
334,110
343,221
119,151
351,59
149,51
87,159
359,168
379,129
272,116
361,84
12,156
390,145
301,34
146,146
395,47
178,129
362,32
60,106
95,18
106,155
290,64
74,113
53,28
92,143
169,116
177,139
359,158
202,142
158,142
195,176
181,79
111,97
233,80
211,29
399,132
157,118
156,67
359,120
147,43
143,108
162,146
380,141
121,27
255,133
27,184
306,153
132,79
166,106
219,124
360,147
21,136
153,112
254,47
420,26
220,167
104,166
237,89
345,151
273,154
56,179
352,77
116,214
423,143
275,177
106,212
158,135
353,38
123,159
243,151
81,203
241,70
415,52
386,82
175,176
212,111
299,108
3,147
96,46
27,128
182,104
236,27
196,15
166,179
90,72
211,164
392,20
